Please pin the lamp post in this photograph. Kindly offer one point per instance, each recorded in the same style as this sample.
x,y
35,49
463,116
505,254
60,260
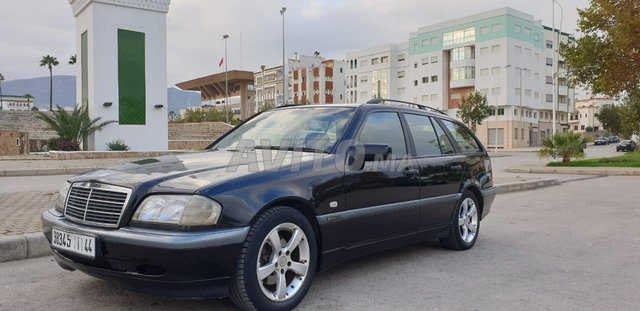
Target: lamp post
x,y
1,79
284,65
226,80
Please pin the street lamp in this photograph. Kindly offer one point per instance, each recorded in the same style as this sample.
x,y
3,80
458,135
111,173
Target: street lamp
x,y
1,79
226,80
284,65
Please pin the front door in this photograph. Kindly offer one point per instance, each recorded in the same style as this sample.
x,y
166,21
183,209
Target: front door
x,y
381,198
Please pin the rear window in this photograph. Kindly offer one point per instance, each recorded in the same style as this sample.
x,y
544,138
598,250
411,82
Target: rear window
x,y
463,137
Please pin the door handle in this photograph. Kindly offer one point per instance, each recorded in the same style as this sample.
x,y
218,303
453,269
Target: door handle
x,y
457,167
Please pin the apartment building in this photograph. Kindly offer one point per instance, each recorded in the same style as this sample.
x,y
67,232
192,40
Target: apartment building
x,y
268,85
504,54
584,118
16,103
315,80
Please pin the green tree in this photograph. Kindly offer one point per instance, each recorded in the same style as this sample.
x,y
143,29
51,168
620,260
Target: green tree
x,y
473,110
564,145
73,126
606,57
49,62
72,60
173,116
630,115
29,98
609,116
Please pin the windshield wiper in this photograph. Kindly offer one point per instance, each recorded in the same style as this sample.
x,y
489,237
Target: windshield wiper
x,y
303,149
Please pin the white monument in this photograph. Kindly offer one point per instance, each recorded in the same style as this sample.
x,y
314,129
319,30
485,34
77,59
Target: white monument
x,y
122,69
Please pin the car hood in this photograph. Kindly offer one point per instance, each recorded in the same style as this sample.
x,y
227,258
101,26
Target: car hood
x,y
190,172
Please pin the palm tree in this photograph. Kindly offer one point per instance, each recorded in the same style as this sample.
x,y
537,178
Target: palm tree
x,y
73,126
29,97
566,145
1,79
49,61
72,60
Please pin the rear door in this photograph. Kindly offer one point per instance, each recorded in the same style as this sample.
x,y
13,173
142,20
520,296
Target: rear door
x,y
381,198
440,170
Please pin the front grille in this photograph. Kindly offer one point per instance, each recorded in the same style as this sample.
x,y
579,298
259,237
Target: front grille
x,y
96,204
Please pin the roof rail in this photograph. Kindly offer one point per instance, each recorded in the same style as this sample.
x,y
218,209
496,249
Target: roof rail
x,y
378,101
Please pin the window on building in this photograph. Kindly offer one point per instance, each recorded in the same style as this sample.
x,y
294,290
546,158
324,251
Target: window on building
x,y
426,42
518,49
434,59
384,59
582,127
575,128
495,49
537,56
515,112
400,74
501,111
527,52
461,73
461,53
375,61
484,30
425,79
536,76
549,80
415,82
549,44
536,37
549,98
434,78
517,28
496,27
495,91
425,98
400,91
562,64
401,57
415,64
434,97
484,50
425,61
549,61
515,133
435,41
364,79
459,36
364,63
484,92
527,92
484,72
492,136
527,31
416,46
495,70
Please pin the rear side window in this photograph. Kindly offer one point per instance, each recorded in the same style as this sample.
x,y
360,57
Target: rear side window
x,y
463,137
384,128
424,135
445,144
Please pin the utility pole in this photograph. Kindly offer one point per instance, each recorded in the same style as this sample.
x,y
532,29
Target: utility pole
x,y
226,80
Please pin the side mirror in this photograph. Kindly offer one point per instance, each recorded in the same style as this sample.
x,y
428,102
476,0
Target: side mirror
x,y
379,151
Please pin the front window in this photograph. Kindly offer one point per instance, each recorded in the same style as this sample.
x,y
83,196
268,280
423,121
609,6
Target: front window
x,y
307,129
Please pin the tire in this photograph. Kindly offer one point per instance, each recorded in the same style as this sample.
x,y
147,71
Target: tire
x,y
457,238
250,293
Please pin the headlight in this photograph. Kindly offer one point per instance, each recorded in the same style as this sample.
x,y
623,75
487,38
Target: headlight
x,y
62,197
183,210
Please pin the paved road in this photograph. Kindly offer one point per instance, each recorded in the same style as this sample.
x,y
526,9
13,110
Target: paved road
x,y
561,248
32,183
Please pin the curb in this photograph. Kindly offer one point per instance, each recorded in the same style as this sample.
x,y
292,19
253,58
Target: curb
x,y
17,247
526,185
44,172
576,171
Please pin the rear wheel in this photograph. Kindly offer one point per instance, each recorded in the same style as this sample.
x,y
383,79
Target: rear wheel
x,y
277,262
465,226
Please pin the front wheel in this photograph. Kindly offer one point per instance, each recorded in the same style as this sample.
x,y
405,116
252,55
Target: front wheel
x,y
277,262
465,226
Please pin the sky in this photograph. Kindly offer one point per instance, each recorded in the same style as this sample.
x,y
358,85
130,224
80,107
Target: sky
x,y
30,29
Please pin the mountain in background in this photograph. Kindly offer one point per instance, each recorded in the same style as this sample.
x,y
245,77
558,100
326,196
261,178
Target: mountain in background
x,y
64,93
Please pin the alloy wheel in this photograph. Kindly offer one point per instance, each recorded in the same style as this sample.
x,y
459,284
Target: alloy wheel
x,y
468,220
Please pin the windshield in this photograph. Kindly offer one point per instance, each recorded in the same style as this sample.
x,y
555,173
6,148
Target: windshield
x,y
306,129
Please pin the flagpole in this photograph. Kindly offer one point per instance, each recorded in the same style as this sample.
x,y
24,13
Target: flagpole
x,y
226,81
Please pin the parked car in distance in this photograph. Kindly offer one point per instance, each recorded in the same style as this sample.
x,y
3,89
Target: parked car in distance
x,y
626,145
290,192
601,141
614,139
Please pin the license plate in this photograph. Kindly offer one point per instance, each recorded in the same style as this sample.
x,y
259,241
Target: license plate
x,y
75,243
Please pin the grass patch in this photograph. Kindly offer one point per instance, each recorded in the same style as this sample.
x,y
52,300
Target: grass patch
x,y
629,159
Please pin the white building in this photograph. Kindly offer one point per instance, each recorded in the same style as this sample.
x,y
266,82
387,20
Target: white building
x,y
584,118
503,54
268,85
16,103
315,80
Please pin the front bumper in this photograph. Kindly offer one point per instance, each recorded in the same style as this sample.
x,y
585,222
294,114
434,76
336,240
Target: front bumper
x,y
158,262
488,195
